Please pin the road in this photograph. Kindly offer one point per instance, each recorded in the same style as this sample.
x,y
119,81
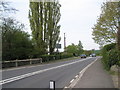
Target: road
x,y
39,76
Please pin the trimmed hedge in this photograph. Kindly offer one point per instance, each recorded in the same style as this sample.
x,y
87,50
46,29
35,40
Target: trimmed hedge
x,y
47,58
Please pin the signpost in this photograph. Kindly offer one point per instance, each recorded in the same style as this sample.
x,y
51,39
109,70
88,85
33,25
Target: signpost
x,y
58,46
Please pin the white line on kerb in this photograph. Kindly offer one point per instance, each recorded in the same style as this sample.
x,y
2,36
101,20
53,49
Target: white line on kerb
x,y
34,73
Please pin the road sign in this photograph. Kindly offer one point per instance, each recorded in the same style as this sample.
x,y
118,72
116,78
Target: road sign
x,y
58,46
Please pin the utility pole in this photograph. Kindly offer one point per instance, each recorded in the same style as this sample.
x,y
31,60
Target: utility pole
x,y
64,42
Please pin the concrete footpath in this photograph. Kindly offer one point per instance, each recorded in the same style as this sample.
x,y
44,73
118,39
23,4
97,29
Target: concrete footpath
x,y
95,77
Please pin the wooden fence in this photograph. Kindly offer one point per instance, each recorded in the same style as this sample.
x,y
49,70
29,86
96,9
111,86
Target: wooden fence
x,y
16,63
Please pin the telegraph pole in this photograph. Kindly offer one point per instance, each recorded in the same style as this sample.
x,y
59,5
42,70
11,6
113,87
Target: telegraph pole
x,y
64,42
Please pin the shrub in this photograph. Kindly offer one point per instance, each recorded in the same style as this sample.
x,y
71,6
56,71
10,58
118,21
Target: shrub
x,y
105,59
67,55
111,56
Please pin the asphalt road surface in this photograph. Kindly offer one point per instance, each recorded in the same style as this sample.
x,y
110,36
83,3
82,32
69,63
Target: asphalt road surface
x,y
39,76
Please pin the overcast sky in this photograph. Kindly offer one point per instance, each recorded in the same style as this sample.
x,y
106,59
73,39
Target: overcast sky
x,y
77,19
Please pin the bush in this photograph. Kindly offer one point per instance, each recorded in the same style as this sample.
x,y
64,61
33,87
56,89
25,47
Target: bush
x,y
111,56
105,60
47,58
67,55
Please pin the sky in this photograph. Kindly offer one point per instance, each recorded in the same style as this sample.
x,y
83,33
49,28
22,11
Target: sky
x,y
77,19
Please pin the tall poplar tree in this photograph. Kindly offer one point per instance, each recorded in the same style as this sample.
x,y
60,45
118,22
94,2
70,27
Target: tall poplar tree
x,y
53,27
44,18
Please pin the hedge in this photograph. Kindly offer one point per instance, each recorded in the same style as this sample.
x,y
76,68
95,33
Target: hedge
x,y
47,58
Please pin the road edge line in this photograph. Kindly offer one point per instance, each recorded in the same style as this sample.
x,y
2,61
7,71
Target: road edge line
x,y
76,79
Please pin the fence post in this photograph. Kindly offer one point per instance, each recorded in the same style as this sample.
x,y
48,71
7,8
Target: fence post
x,y
16,63
41,60
30,61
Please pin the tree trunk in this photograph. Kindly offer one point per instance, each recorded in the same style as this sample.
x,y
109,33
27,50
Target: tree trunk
x,y
118,38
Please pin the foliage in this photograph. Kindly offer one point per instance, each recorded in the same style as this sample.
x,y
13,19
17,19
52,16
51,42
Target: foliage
x,y
114,57
16,43
107,31
110,56
118,32
97,52
80,47
87,52
75,49
5,9
44,18
47,58
104,32
72,48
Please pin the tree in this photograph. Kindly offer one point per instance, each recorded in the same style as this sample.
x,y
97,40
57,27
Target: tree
x,y
36,22
118,33
88,52
75,49
105,31
72,49
16,43
5,9
53,27
80,47
44,18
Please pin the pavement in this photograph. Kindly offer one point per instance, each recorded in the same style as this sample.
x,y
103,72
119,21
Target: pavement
x,y
95,77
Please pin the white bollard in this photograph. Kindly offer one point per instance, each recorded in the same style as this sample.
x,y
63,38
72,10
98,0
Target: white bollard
x,y
52,85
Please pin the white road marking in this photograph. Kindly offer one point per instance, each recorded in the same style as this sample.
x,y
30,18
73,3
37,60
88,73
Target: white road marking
x,y
76,76
65,87
36,72
80,75
71,80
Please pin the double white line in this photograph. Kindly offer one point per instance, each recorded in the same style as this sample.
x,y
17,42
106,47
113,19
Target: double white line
x,y
36,72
